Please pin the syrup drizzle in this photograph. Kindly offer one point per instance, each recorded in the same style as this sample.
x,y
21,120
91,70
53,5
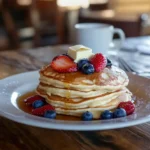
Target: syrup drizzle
x,y
28,109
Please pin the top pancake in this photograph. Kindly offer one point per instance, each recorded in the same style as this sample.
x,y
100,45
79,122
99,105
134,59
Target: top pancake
x,y
110,78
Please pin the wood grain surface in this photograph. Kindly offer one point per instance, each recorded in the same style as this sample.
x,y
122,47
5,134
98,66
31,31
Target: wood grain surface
x,y
15,136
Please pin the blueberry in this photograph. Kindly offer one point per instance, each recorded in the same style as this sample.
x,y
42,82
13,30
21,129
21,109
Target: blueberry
x,y
120,112
81,63
107,114
38,103
87,116
87,68
50,114
109,64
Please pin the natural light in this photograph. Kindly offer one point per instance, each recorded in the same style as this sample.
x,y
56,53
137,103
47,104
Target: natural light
x,y
24,2
73,3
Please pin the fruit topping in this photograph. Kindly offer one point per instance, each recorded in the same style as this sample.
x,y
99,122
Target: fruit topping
x,y
31,99
119,112
99,62
82,62
40,111
109,64
87,68
107,114
38,103
64,64
50,114
87,116
128,106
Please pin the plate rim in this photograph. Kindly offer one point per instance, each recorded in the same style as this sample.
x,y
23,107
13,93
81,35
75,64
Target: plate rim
x,y
65,125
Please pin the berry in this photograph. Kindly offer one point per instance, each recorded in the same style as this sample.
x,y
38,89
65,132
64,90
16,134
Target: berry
x,y
81,63
50,114
38,103
31,99
107,114
120,112
64,63
87,68
87,116
109,64
128,106
99,62
40,111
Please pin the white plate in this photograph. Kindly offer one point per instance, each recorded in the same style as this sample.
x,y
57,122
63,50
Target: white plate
x,y
13,87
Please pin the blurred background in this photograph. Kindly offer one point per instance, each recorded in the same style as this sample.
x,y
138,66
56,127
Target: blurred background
x,y
34,23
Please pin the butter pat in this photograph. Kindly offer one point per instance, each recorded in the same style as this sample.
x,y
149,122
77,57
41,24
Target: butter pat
x,y
78,52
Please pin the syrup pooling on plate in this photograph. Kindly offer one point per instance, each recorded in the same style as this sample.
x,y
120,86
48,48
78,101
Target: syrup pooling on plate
x,y
28,109
23,106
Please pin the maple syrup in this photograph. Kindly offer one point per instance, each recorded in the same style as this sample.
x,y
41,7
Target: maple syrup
x,y
28,109
72,77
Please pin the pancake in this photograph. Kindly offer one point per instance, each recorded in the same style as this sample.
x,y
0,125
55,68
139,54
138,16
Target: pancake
x,y
95,104
75,93
110,79
83,103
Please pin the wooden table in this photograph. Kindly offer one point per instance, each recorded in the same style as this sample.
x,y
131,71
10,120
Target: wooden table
x,y
15,136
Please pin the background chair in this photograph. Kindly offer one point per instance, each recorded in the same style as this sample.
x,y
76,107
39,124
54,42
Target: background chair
x,y
33,24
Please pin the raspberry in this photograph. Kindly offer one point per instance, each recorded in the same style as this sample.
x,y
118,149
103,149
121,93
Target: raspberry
x,y
99,62
40,111
33,98
128,106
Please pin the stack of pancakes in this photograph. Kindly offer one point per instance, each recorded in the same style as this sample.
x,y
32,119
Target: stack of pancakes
x,y
75,93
